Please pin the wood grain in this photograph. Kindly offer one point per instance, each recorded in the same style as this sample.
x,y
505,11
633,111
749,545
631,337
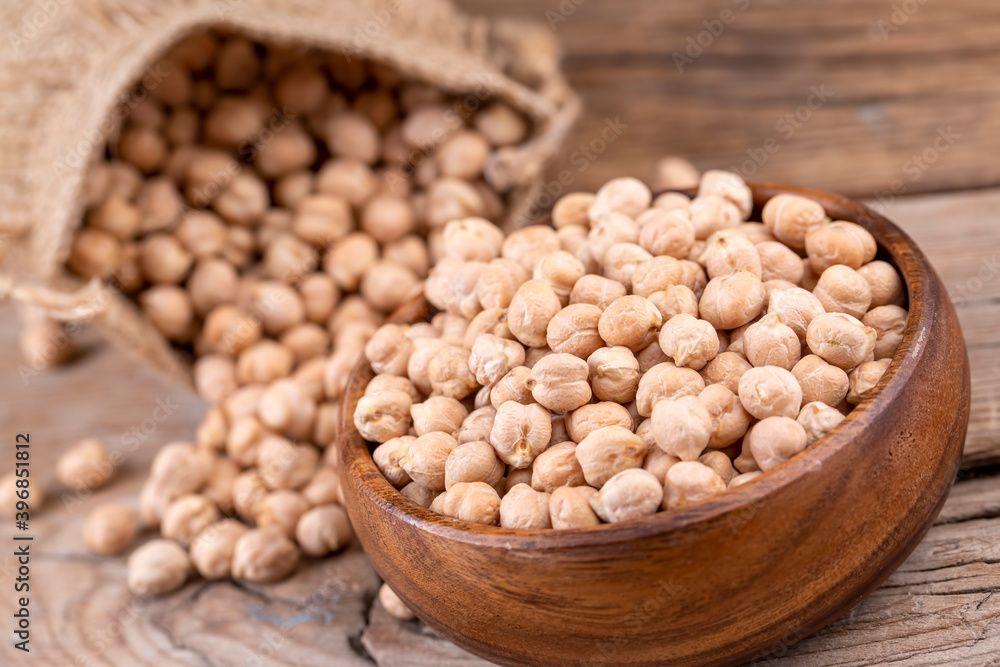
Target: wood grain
x,y
924,614
889,97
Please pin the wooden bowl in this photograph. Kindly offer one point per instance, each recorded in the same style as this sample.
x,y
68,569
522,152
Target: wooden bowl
x,y
736,577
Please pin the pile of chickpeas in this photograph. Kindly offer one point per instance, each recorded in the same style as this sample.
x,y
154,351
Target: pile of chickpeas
x,y
266,208
638,355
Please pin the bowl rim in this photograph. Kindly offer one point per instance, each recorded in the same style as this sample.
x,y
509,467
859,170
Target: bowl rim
x,y
919,278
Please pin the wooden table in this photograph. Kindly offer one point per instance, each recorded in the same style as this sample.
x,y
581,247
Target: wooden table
x,y
940,607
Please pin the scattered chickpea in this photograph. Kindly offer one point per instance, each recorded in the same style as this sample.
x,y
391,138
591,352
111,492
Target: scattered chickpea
x,y
158,567
264,555
688,341
322,530
85,466
726,369
110,529
212,549
186,516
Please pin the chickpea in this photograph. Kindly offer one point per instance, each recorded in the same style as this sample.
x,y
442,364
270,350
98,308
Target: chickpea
x,y
409,251
348,259
449,374
818,419
726,369
791,217
387,286
477,425
229,330
523,507
839,243
712,213
774,440
463,155
324,487
163,259
383,416
666,380
323,530
630,494
475,502
864,378
769,391
158,567
675,300
560,270
451,199
219,486
284,406
597,291
628,196
351,179
389,350
109,530
885,283
630,321
501,125
569,507
492,321
771,342
532,307
263,362
842,289
242,402
726,251
728,185
571,209
588,418
516,386
520,432
820,381
675,173
116,216
426,459
392,603
264,555
732,300
213,282
607,451
729,420
608,230
689,341
499,281
614,374
212,548
561,382
474,461
308,343
282,509
424,349
796,308
243,439
284,465
85,466
186,516
720,463
681,427
841,340
451,286
438,413
657,461
889,322
472,239
667,233
690,482
779,262
492,358
248,490
621,261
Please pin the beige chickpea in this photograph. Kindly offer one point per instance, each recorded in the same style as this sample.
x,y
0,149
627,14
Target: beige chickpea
x,y
557,467
607,451
387,455
573,239
682,427
324,488
820,381
569,507
561,382
501,125
776,285
284,465
614,374
292,188
449,374
885,282
452,328
212,283
779,262
219,485
629,494
726,251
477,425
243,439
350,179
630,321
211,431
491,321
451,286
350,134
796,308
571,209
769,391
9,495
658,274
142,147
212,549
95,254
348,259
675,300
323,219
389,350
307,342
286,407
424,349
841,340
386,286
276,305
690,482
628,196
864,378
560,270
586,419
472,239
842,289
116,216
532,307
757,233
818,419
427,457
720,463
438,413
689,341
392,603
729,420
657,461
520,432
475,502
791,217
499,281
451,199
596,291
516,386
264,555
675,173
732,300
524,507
323,530
667,233
383,416
889,322
516,476
771,342
409,251
712,213
622,260
229,330
244,201
427,126
528,245
608,230
839,242
287,258
474,461
248,490
242,402
463,155
186,516
493,357
158,567
263,362
774,440
110,529
728,185
666,380
86,465
743,478
163,259
282,509
726,369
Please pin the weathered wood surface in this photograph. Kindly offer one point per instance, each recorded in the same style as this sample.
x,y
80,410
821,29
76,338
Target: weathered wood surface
x,y
897,73
939,608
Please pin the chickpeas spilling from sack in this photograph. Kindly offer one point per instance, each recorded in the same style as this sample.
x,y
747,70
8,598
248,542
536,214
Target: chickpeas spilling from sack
x,y
638,355
266,208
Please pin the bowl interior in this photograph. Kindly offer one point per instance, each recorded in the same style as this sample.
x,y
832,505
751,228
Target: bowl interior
x,y
894,246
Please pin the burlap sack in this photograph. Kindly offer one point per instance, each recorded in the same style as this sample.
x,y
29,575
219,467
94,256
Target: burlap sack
x,y
69,63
